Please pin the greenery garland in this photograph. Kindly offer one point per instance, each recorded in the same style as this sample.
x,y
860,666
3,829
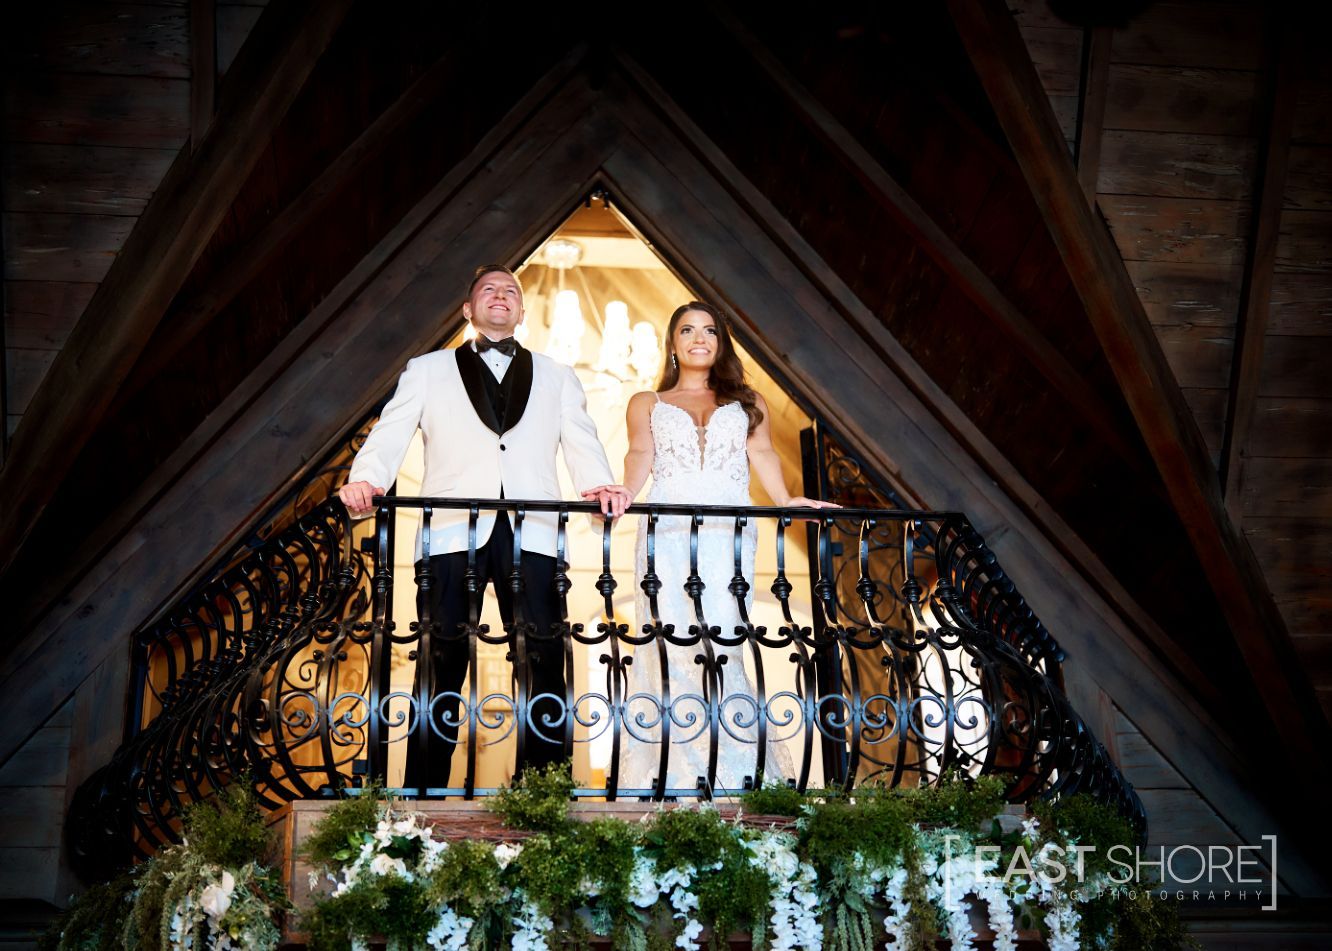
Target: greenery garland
x,y
848,871
218,889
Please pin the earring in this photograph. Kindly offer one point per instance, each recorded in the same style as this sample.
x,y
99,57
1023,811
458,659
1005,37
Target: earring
x,y
674,362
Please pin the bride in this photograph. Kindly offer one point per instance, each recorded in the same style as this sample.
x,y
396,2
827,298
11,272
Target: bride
x,y
698,436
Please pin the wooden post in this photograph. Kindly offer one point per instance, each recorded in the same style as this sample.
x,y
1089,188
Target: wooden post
x,y
1091,106
1256,292
203,68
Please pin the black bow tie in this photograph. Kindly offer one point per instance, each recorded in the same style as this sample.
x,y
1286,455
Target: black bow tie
x,y
508,346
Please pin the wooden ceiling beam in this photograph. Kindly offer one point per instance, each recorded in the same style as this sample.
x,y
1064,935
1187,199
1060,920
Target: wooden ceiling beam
x,y
73,398
1005,70
203,68
4,351
246,261
1256,291
946,254
1091,106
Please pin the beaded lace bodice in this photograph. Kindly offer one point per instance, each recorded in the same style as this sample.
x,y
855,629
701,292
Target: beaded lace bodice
x,y
688,459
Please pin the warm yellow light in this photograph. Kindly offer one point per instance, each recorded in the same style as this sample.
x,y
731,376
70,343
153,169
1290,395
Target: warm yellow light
x,y
615,340
566,330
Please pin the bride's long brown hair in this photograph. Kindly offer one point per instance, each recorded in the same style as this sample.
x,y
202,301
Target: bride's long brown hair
x,y
726,378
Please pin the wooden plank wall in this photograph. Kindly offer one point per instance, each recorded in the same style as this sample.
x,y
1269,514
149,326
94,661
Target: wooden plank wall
x,y
1178,815
1176,180
32,810
96,107
37,785
1186,115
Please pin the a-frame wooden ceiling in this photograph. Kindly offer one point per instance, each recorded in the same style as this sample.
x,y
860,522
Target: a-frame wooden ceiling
x,y
951,290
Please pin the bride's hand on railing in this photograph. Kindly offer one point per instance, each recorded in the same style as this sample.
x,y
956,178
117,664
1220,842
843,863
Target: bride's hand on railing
x,y
800,501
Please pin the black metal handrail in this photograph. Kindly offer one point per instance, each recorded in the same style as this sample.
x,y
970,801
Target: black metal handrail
x,y
280,670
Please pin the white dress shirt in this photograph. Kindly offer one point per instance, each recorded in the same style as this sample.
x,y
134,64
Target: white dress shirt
x,y
497,360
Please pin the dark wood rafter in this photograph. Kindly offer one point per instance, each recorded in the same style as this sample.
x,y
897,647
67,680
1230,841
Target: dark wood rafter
x,y
1256,291
1120,322
4,348
244,263
1091,106
978,287
122,516
880,339
203,68
176,226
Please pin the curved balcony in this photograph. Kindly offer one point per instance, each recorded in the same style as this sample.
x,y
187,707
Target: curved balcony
x,y
919,657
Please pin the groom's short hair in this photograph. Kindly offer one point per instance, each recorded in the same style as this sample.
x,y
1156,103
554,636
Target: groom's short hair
x,y
485,269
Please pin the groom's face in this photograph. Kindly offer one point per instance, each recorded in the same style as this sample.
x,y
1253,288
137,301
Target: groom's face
x,y
496,305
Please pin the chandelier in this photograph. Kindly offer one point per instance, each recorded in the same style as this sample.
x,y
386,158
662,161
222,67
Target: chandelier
x,y
629,352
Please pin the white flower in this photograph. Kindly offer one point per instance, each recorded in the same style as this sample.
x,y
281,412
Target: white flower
x,y
643,888
450,931
899,908
432,854
683,901
794,900
216,898
506,852
387,865
688,938
672,877
531,928
180,926
1063,920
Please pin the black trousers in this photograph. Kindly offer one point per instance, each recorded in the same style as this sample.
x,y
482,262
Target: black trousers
x,y
447,602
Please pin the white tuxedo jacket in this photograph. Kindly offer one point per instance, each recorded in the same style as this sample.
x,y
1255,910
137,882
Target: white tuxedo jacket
x,y
471,453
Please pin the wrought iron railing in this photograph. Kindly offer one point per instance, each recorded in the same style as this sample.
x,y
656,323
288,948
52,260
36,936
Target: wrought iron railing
x,y
281,670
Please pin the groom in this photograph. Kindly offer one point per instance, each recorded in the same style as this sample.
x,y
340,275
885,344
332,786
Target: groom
x,y
492,415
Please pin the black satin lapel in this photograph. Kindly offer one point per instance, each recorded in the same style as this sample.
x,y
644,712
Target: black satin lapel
x,y
518,383
470,369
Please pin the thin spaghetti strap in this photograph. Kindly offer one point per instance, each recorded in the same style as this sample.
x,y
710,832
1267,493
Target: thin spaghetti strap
x,y
657,395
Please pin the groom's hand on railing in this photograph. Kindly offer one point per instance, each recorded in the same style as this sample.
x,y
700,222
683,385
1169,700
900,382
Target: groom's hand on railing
x,y
613,499
357,495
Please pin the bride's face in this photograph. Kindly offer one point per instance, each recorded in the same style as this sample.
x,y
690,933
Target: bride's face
x,y
695,340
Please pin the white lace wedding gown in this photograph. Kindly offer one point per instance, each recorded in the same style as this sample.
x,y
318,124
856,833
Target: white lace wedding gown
x,y
708,466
